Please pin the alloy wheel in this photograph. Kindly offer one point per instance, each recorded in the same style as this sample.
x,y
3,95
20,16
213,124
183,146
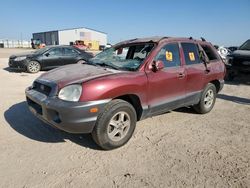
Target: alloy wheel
x,y
209,98
119,126
34,66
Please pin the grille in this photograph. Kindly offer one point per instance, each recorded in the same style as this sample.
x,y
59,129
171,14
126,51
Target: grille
x,y
42,88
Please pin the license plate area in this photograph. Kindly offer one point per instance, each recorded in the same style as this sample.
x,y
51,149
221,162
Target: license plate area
x,y
34,107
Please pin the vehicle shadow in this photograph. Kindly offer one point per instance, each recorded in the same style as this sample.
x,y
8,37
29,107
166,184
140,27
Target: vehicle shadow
x,y
239,100
8,69
188,110
21,120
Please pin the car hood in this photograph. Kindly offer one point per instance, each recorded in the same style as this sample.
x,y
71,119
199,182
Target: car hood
x,y
241,53
76,73
27,54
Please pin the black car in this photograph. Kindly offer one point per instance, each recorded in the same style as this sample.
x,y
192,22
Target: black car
x,y
48,58
239,61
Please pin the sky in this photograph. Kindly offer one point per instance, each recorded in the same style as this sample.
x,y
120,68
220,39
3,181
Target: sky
x,y
222,22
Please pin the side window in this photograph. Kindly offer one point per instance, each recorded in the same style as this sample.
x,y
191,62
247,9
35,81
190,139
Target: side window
x,y
69,52
121,53
191,53
142,51
210,52
169,55
55,52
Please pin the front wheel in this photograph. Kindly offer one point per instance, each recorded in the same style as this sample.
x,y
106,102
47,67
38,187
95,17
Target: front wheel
x,y
115,125
207,99
33,67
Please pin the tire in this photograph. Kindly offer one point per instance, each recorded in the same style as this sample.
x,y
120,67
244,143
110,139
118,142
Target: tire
x,y
33,67
112,129
80,61
207,100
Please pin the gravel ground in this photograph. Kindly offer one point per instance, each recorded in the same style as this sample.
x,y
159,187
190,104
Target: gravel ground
x,y
176,149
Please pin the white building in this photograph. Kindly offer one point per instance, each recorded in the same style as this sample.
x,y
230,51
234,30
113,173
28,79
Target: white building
x,y
12,43
68,36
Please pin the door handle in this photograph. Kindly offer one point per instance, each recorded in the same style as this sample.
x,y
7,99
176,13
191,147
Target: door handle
x,y
181,75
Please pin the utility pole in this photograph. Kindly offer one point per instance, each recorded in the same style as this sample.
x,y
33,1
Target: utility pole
x,y
21,39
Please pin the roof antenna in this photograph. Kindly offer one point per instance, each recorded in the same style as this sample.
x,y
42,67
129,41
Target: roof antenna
x,y
203,39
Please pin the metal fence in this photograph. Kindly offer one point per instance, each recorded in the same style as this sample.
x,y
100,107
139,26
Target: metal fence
x,y
6,43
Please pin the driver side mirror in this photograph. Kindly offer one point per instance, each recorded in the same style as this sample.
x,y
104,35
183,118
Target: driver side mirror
x,y
157,65
47,54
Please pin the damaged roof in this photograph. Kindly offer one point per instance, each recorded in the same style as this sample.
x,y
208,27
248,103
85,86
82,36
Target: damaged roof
x,y
155,39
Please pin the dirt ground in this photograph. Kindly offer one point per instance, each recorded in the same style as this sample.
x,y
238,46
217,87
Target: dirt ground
x,y
176,149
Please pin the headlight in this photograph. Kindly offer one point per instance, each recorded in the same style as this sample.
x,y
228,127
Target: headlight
x,y
20,58
70,93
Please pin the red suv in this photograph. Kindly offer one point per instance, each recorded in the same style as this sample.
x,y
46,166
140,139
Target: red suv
x,y
131,81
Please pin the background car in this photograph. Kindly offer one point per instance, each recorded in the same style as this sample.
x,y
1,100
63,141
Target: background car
x,y
48,58
239,61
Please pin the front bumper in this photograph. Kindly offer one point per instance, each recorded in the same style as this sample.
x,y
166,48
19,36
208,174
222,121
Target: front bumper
x,y
222,82
20,65
72,117
238,65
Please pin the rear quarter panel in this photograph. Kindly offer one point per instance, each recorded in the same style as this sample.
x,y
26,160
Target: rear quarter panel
x,y
217,67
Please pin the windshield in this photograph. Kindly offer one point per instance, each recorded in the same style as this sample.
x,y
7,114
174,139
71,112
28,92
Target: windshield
x,y
123,57
42,50
245,46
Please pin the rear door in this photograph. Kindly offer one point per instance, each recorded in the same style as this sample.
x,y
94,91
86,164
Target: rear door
x,y
70,56
53,58
166,88
195,70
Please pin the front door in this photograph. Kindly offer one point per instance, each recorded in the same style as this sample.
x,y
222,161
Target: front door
x,y
166,89
53,58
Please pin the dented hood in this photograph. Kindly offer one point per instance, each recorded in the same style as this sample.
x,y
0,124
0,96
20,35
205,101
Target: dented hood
x,y
76,73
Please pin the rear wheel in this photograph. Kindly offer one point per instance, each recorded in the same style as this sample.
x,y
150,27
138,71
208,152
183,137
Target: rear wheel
x,y
115,125
33,67
207,99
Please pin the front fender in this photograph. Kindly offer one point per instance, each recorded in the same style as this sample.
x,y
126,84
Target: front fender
x,y
114,86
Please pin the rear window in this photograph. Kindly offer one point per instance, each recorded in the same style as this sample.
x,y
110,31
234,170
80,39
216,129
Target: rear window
x,y
210,52
191,53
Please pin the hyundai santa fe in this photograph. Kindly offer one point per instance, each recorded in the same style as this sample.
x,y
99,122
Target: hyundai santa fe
x,y
128,82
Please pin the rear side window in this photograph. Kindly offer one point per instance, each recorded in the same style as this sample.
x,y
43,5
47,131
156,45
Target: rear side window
x,y
68,51
169,55
191,53
210,52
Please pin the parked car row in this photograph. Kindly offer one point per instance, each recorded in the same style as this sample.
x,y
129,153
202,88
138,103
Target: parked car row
x,y
237,59
48,58
131,81
238,62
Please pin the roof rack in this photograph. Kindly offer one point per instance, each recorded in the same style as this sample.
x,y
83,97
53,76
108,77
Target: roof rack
x,y
163,38
203,39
